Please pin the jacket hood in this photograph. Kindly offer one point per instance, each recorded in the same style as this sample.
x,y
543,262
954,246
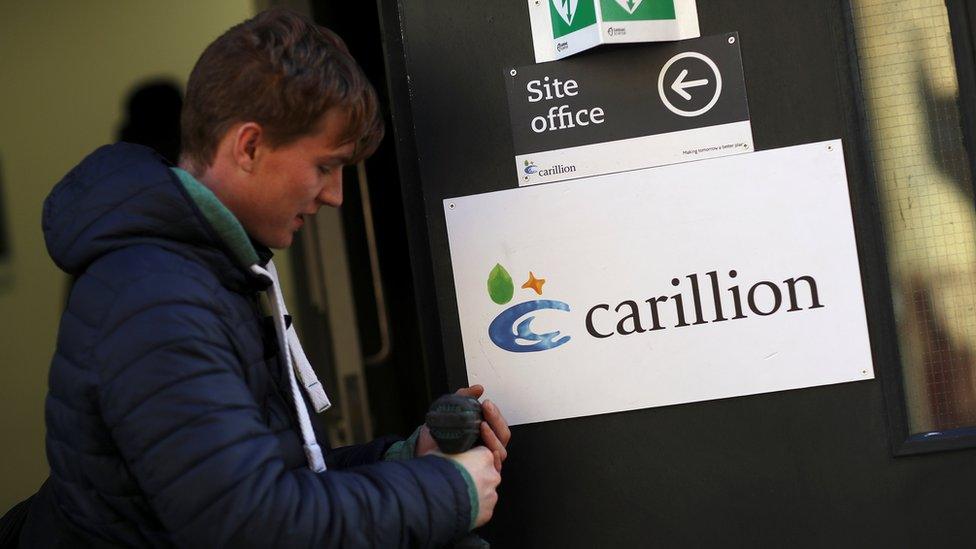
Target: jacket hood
x,y
124,195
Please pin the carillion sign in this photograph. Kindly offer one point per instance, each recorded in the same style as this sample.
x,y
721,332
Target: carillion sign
x,y
712,279
637,316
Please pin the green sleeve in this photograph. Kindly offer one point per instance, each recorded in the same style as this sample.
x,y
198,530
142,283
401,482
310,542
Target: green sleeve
x,y
406,449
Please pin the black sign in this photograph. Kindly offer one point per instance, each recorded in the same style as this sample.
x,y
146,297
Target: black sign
x,y
625,92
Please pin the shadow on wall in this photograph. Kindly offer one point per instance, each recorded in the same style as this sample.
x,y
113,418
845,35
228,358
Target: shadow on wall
x,y
153,118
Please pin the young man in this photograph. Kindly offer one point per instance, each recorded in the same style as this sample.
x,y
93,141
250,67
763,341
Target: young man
x,y
177,411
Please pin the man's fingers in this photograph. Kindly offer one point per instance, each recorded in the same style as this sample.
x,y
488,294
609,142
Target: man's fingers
x,y
497,422
492,443
491,440
474,391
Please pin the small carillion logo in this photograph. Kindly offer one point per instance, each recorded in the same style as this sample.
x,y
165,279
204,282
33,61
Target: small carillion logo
x,y
503,330
531,168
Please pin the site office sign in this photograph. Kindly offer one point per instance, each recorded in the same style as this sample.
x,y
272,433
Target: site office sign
x,y
639,107
696,281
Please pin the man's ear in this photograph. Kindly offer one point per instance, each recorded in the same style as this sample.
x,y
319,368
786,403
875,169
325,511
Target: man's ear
x,y
247,138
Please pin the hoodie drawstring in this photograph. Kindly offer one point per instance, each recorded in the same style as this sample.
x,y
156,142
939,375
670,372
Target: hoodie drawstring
x,y
294,359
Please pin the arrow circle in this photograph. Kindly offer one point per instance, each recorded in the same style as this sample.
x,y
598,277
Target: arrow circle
x,y
664,71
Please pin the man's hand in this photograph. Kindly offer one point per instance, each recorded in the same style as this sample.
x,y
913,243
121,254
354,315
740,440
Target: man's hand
x,y
494,429
479,462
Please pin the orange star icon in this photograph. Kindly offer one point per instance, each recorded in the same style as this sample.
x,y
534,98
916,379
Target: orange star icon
x,y
534,283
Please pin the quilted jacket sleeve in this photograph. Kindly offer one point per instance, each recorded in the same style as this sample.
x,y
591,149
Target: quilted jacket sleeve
x,y
173,395
345,457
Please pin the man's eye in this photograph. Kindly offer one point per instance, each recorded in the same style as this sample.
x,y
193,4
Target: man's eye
x,y
325,170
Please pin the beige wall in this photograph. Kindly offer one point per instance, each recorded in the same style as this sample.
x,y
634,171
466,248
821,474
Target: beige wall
x,y
65,67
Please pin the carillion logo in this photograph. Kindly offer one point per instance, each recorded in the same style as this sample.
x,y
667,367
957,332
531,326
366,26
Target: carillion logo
x,y
503,330
531,168
648,314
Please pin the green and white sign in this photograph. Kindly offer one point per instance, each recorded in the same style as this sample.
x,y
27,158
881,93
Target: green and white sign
x,y
561,28
637,10
569,16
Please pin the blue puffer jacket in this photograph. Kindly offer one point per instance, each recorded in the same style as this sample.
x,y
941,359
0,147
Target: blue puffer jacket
x,y
169,420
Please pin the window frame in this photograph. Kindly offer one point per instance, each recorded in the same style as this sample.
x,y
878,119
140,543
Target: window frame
x,y
888,361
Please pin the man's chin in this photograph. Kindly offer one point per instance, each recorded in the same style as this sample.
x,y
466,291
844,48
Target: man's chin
x,y
283,243
277,242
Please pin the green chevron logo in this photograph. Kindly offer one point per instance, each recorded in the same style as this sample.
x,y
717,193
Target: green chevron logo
x,y
571,15
637,10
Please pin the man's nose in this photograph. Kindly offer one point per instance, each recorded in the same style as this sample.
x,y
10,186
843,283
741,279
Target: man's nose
x,y
331,194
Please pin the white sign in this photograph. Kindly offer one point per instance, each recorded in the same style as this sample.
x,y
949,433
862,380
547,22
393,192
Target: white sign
x,y
561,28
720,278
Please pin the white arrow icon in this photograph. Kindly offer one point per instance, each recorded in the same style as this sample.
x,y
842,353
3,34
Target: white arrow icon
x,y
680,85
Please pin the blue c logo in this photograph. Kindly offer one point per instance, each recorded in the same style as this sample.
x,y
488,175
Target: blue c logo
x,y
502,333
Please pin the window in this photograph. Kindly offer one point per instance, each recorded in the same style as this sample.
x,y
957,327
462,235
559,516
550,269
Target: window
x,y
925,192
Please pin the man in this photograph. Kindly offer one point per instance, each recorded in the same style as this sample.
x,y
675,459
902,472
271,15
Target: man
x,y
177,412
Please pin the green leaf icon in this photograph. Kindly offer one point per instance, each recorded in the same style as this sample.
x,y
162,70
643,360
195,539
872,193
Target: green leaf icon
x,y
500,286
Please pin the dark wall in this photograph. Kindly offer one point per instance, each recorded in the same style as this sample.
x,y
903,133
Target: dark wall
x,y
809,467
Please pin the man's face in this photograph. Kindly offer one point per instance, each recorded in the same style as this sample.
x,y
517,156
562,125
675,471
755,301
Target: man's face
x,y
293,181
